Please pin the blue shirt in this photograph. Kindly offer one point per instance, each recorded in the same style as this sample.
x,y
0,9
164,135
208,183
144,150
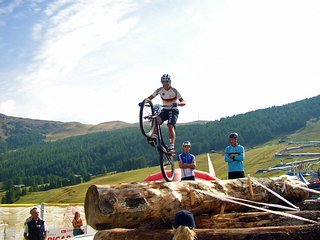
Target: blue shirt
x,y
235,163
187,158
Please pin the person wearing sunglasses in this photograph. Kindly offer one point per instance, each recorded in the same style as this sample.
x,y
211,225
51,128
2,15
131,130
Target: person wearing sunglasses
x,y
234,156
187,162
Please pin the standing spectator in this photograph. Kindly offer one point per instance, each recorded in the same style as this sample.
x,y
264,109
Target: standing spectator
x,y
187,162
35,227
77,224
234,156
183,225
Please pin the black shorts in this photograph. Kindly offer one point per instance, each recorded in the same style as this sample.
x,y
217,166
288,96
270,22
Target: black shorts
x,y
188,178
234,175
169,114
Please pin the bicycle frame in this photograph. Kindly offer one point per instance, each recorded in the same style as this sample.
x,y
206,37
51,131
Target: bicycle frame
x,y
165,158
160,144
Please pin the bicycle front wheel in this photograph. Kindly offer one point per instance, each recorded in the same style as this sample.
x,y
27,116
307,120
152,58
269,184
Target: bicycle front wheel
x,y
167,166
146,118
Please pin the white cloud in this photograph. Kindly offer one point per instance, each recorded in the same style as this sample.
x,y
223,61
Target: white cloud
x,y
9,8
70,37
36,31
96,60
7,107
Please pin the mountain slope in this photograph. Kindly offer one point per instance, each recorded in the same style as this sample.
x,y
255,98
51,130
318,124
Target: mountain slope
x,y
59,163
256,158
22,132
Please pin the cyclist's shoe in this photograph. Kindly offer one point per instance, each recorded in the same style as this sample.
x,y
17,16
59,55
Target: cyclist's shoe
x,y
171,149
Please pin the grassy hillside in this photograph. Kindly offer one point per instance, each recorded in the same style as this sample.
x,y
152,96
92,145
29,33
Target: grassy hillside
x,y
77,129
76,193
256,158
53,130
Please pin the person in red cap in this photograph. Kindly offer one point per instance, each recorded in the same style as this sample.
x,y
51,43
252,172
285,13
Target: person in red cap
x,y
183,225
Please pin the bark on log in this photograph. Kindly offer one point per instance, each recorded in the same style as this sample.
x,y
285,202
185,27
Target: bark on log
x,y
313,204
154,204
304,232
252,219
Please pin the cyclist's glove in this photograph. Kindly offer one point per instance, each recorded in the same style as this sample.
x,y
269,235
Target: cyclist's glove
x,y
174,104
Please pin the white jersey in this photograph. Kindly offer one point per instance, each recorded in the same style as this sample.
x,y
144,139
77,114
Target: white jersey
x,y
168,96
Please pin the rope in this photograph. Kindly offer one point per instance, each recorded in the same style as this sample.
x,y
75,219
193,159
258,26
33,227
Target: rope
x,y
277,195
229,199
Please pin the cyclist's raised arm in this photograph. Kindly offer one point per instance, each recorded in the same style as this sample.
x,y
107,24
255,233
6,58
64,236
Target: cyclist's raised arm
x,y
150,97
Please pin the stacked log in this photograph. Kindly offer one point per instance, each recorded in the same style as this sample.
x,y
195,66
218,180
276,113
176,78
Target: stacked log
x,y
145,210
254,219
305,232
152,205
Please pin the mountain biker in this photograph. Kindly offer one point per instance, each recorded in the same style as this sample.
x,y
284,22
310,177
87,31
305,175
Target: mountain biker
x,y
234,156
187,162
170,97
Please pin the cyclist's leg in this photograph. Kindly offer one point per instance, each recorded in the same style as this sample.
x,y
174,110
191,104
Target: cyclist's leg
x,y
172,137
155,130
172,120
154,137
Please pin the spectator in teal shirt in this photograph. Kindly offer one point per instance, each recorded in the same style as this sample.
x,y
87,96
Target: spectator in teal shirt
x,y
234,156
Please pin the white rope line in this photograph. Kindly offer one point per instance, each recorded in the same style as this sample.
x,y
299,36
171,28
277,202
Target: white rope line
x,y
276,194
274,212
227,199
265,204
308,189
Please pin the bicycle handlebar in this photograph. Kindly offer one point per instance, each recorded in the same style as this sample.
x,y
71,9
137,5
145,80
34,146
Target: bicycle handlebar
x,y
173,105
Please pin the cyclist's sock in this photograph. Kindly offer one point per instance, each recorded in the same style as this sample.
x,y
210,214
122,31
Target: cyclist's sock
x,y
171,146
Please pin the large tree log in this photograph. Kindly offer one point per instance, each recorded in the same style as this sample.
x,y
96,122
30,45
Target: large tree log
x,y
304,232
154,204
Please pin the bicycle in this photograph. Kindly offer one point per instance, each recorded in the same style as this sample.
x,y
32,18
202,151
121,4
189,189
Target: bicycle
x,y
148,121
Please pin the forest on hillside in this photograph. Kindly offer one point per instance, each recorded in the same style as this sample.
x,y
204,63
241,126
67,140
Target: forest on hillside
x,y
46,165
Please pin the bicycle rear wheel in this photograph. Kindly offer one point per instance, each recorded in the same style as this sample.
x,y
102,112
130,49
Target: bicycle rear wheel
x,y
166,165
146,118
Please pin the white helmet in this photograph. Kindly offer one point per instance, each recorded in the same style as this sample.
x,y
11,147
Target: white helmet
x,y
186,143
233,135
165,78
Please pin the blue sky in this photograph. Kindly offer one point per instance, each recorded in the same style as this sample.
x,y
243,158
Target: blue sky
x,y
93,61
